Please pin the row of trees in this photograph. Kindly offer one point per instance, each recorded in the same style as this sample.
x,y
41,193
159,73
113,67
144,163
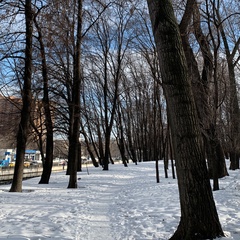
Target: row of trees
x,y
95,67
112,61
106,52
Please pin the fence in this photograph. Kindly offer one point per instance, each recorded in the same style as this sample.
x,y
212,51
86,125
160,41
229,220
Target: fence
x,y
6,173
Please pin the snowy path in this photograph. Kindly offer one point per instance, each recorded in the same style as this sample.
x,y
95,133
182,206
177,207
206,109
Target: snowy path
x,y
98,223
122,208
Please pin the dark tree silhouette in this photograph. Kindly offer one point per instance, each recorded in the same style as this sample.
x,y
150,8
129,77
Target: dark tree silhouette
x,y
26,101
197,220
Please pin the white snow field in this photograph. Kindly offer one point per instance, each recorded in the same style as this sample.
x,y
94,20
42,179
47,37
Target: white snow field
x,y
119,204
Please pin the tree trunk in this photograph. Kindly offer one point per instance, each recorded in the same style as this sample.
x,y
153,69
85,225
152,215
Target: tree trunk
x,y
171,155
88,146
100,145
106,151
48,161
197,221
234,110
200,87
121,144
74,138
79,160
234,160
26,101
132,148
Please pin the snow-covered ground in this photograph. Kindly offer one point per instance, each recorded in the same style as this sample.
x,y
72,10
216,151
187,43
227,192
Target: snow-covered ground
x,y
119,204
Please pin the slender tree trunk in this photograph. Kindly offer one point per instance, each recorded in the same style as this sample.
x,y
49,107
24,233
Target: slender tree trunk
x,y
88,145
88,137
106,151
197,221
121,144
26,101
165,160
234,110
132,148
74,138
70,133
48,161
79,160
155,149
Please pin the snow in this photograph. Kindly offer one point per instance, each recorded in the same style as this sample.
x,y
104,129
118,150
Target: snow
x,y
119,204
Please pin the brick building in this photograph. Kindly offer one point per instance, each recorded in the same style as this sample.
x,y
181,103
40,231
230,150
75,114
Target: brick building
x,y
10,113
10,108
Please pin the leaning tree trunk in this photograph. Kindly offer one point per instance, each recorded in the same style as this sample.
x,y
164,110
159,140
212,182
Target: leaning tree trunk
x,y
48,160
89,148
26,101
197,221
216,161
200,86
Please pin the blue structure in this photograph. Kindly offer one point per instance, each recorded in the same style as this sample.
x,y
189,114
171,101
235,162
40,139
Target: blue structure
x,y
4,163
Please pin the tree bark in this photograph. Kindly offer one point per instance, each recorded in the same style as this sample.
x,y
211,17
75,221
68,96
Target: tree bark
x,y
234,102
197,221
200,86
48,160
120,138
26,101
74,137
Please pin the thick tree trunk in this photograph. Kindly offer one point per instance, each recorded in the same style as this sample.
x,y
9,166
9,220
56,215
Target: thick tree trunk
x,y
26,100
79,160
200,87
234,120
215,156
72,164
234,160
106,151
234,117
216,160
197,221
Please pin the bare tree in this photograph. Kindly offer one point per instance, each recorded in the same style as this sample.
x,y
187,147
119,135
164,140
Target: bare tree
x,y
201,88
111,45
232,60
48,159
197,221
75,128
27,100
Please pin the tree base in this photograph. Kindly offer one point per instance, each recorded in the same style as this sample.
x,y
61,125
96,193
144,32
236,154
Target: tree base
x,y
185,233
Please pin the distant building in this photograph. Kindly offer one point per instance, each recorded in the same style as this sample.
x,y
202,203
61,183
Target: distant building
x,y
10,109
10,154
32,155
10,114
